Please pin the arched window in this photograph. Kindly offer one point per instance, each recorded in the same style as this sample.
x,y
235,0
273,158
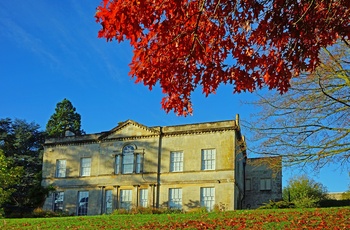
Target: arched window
x,y
129,161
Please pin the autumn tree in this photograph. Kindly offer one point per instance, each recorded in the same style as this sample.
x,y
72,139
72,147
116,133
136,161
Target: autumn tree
x,y
304,192
187,44
65,118
310,123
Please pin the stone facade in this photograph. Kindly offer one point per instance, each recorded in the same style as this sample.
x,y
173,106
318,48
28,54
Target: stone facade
x,y
262,183
183,166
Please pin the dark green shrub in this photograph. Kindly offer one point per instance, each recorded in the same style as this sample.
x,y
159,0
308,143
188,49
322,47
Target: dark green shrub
x,y
277,205
334,203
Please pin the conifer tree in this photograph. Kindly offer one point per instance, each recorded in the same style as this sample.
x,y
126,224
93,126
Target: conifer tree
x,y
65,118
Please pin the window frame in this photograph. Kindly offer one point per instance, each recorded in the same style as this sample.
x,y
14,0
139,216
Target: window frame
x,y
108,201
175,198
57,204
82,210
143,198
125,199
176,162
129,161
61,168
248,184
265,184
208,159
207,197
85,170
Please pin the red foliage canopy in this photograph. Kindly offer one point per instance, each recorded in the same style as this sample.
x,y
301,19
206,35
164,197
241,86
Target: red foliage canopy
x,y
247,43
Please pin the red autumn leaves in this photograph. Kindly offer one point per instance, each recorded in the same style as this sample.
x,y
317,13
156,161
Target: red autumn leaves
x,y
186,44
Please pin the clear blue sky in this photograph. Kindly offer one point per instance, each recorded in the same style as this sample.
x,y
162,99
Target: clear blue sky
x,y
49,51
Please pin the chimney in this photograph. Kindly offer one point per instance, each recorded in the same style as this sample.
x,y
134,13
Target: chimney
x,y
69,133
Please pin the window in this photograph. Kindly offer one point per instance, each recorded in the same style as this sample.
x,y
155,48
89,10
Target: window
x,y
83,203
58,201
265,184
175,198
125,199
117,164
176,161
61,168
248,184
144,197
138,163
129,161
208,159
208,198
85,166
108,202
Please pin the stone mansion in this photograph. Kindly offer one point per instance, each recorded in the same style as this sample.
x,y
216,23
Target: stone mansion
x,y
132,165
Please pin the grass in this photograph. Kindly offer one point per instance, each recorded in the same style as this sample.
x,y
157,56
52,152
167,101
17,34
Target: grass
x,y
322,218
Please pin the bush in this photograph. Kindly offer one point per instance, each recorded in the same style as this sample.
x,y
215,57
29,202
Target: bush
x,y
277,205
334,203
198,210
304,192
40,213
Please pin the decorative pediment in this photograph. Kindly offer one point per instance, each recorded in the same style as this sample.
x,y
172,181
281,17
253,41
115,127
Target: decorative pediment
x,y
129,128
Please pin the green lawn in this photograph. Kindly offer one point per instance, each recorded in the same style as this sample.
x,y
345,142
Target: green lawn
x,y
323,218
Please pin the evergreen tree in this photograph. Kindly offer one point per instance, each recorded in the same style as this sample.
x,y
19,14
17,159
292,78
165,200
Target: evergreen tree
x,y
65,118
9,176
21,143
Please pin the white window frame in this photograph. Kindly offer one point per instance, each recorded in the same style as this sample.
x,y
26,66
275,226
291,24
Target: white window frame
x,y
85,166
143,202
117,164
83,203
265,184
58,198
61,168
139,159
208,159
128,163
207,198
125,201
176,161
108,201
175,198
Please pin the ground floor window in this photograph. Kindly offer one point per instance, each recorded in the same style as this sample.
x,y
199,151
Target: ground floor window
x,y
175,198
208,198
83,203
108,202
125,199
58,201
144,197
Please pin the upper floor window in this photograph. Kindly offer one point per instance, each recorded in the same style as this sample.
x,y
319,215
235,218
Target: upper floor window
x,y
61,168
129,161
208,159
176,161
85,166
265,184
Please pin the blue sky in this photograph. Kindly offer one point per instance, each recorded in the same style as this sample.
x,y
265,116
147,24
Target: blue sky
x,y
49,51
